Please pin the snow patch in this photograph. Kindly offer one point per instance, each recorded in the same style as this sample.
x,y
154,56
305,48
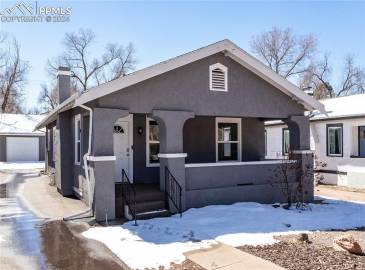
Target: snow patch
x,y
21,165
160,241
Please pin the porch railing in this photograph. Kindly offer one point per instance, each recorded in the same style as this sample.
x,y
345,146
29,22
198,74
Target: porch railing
x,y
129,195
172,191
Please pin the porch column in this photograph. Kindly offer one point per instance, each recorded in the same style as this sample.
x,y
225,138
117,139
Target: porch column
x,y
299,132
171,155
299,140
102,161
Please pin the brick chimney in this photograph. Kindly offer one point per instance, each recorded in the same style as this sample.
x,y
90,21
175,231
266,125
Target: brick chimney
x,y
64,83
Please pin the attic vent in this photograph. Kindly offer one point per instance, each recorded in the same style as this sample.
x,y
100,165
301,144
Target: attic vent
x,y
218,77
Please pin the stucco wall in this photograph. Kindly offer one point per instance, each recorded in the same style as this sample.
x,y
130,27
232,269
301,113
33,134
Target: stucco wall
x,y
42,148
199,140
2,148
227,184
199,144
187,88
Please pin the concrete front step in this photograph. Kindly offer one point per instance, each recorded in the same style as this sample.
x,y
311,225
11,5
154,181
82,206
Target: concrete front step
x,y
149,206
153,214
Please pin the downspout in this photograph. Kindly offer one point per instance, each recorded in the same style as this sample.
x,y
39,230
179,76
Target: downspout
x,y
86,168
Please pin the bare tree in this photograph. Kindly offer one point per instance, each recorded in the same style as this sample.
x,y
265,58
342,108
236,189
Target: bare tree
x,y
13,73
318,78
353,80
284,52
89,71
283,177
48,98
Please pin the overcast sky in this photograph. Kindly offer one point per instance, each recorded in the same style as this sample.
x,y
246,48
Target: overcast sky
x,y
160,30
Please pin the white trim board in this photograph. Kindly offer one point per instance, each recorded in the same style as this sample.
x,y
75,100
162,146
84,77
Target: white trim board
x,y
77,133
219,164
147,131
101,158
172,155
230,50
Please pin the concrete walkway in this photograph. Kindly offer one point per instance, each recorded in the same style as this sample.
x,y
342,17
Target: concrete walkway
x,y
225,257
340,193
44,200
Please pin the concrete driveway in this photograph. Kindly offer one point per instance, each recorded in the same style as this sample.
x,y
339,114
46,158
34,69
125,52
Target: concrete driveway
x,y
29,240
44,200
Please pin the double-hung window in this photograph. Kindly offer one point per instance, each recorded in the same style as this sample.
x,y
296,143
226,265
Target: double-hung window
x,y
77,139
286,141
362,141
334,140
153,142
228,143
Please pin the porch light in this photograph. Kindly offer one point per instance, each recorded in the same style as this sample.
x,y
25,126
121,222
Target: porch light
x,y
140,130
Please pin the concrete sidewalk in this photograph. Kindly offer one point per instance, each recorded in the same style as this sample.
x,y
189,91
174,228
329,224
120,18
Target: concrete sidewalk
x,y
44,200
225,257
340,193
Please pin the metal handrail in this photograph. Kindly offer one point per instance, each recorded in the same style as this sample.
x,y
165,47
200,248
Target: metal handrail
x,y
129,195
172,191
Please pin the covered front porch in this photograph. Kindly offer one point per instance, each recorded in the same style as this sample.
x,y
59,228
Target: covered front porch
x,y
202,160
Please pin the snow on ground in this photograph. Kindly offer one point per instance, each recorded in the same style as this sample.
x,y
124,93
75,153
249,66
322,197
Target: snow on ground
x,y
21,165
161,241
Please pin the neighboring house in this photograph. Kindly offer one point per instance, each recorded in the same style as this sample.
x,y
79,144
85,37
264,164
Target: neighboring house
x,y
190,129
18,140
338,139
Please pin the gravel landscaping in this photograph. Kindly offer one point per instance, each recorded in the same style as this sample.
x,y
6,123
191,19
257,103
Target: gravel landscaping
x,y
294,255
318,254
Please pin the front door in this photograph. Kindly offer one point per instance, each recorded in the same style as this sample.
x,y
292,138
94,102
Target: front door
x,y
123,148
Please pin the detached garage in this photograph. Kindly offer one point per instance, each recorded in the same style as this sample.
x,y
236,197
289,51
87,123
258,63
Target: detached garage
x,y
18,141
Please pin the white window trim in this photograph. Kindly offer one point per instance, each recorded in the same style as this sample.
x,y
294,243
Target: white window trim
x,y
148,164
239,142
77,119
54,144
225,70
328,142
48,140
285,154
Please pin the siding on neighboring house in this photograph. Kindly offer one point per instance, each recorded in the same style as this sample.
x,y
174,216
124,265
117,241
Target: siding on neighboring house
x,y
346,164
343,171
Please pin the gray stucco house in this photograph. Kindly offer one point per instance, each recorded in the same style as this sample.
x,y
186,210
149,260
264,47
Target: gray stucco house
x,y
187,132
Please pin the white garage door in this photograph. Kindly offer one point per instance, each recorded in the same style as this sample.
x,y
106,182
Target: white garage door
x,y
22,149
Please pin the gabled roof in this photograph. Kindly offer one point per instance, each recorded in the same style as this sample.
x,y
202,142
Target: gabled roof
x,y
225,46
19,124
